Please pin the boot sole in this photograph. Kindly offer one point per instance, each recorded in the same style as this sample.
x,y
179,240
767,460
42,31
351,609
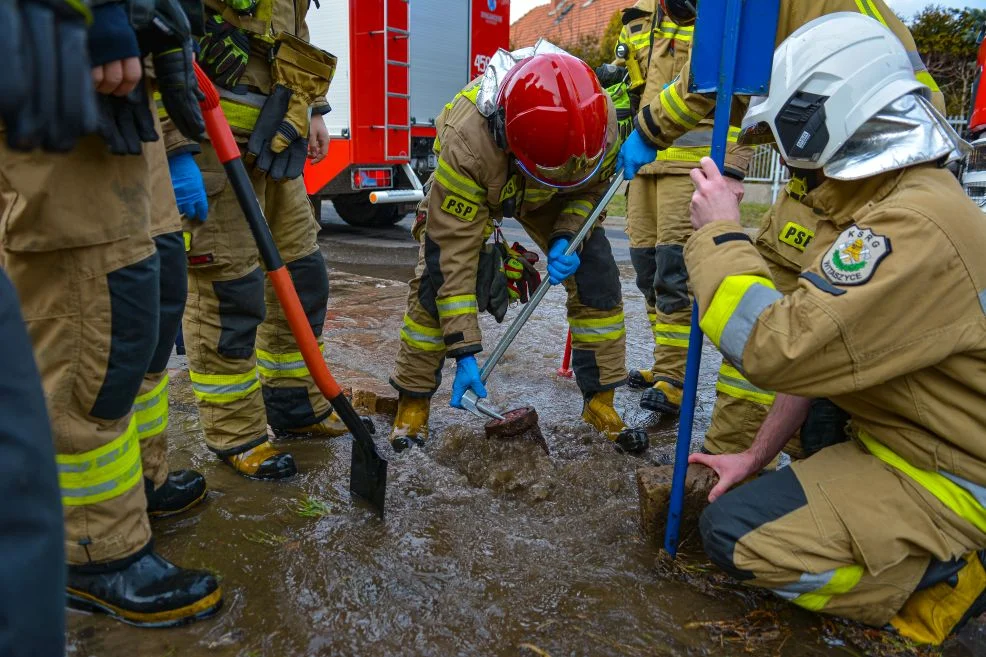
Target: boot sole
x,y
175,512
198,610
637,382
659,406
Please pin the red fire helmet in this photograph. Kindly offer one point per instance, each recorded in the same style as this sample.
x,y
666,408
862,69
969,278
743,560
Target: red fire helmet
x,y
555,117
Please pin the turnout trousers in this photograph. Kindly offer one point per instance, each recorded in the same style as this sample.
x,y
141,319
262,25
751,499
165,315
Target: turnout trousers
x,y
245,366
595,315
844,532
75,232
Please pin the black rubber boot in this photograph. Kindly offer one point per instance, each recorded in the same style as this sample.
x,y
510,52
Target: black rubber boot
x,y
665,397
632,441
640,379
147,591
402,443
182,490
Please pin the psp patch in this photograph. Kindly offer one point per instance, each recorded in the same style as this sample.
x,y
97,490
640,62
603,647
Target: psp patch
x,y
854,257
796,235
460,207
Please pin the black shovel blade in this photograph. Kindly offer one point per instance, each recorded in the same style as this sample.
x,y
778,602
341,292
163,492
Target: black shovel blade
x,y
368,470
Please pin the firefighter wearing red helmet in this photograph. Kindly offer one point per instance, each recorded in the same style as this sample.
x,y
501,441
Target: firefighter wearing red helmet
x,y
535,138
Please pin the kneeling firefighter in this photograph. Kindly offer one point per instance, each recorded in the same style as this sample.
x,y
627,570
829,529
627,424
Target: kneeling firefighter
x,y
245,366
536,139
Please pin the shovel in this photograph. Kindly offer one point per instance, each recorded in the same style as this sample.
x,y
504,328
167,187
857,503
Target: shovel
x,y
469,400
368,470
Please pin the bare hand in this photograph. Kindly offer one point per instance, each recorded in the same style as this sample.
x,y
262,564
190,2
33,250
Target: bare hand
x,y
731,468
737,187
318,139
117,78
715,198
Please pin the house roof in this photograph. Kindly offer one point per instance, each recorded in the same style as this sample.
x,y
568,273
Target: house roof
x,y
564,22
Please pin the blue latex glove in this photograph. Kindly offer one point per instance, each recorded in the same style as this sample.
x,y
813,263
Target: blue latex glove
x,y
189,186
466,378
634,154
561,266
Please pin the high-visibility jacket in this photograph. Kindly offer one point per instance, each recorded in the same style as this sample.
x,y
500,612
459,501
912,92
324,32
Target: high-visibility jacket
x,y
476,183
675,111
661,49
888,321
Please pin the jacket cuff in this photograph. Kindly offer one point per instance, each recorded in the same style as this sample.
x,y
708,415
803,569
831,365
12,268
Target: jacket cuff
x,y
730,172
467,350
192,149
644,124
465,341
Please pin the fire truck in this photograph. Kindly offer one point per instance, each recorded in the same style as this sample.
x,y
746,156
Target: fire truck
x,y
400,62
974,176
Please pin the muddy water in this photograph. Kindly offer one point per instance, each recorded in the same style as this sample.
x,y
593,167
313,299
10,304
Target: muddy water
x,y
488,548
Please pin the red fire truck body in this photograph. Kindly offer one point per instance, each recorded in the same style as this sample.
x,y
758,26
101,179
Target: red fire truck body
x,y
400,62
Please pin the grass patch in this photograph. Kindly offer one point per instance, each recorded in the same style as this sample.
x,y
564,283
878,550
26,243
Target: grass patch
x,y
618,206
261,537
311,507
750,213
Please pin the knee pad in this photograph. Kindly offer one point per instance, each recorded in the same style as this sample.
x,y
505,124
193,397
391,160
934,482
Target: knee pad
x,y
134,319
671,280
432,278
173,292
645,265
312,282
598,278
718,541
241,310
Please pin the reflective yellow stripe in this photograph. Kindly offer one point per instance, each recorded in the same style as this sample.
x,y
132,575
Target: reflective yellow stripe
x,y
671,30
679,112
639,41
289,365
949,493
187,236
672,335
536,195
694,153
869,9
924,77
162,113
224,388
151,411
423,338
821,587
725,301
598,330
732,382
578,208
457,183
470,93
464,304
240,115
101,474
610,159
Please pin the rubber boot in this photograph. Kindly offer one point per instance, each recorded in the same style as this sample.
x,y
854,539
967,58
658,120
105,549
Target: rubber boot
x,y
182,490
935,612
146,590
664,397
641,379
601,414
262,462
330,427
411,422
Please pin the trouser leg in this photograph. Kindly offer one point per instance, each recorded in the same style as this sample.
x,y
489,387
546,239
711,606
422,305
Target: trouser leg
x,y
224,308
840,533
740,409
642,231
151,405
421,355
290,395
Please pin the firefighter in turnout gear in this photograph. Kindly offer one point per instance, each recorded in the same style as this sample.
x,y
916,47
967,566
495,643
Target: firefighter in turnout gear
x,y
657,205
246,370
888,321
535,138
89,276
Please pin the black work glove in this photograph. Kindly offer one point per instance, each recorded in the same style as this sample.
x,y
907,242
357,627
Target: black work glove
x,y
126,122
492,293
225,52
610,74
46,93
180,91
273,131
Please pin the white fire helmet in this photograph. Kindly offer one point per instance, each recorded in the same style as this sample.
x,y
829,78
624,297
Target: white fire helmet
x,y
843,97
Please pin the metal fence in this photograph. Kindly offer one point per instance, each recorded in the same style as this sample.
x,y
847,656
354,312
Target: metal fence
x,y
767,169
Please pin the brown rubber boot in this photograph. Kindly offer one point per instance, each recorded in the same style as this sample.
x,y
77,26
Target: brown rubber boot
x,y
601,414
411,422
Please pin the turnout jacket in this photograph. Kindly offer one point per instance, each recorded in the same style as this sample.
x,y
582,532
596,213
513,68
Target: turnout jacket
x,y
474,186
888,319
674,110
662,49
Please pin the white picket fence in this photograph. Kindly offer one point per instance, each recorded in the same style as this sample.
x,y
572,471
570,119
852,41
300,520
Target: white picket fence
x,y
766,167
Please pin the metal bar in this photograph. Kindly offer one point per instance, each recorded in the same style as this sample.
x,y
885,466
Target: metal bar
x,y
720,134
394,62
394,94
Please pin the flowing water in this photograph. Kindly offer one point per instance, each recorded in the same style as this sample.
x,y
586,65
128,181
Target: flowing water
x,y
488,547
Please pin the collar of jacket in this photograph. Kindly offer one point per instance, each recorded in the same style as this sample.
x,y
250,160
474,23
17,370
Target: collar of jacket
x,y
840,200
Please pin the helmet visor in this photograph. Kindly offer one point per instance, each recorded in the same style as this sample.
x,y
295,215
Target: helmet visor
x,y
574,173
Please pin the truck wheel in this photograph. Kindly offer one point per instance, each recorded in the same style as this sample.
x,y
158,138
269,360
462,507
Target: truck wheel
x,y
356,210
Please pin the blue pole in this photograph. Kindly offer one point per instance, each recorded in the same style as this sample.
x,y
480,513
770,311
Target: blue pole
x,y
720,134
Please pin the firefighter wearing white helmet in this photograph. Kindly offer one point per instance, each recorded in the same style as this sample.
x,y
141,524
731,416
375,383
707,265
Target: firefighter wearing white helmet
x,y
888,321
